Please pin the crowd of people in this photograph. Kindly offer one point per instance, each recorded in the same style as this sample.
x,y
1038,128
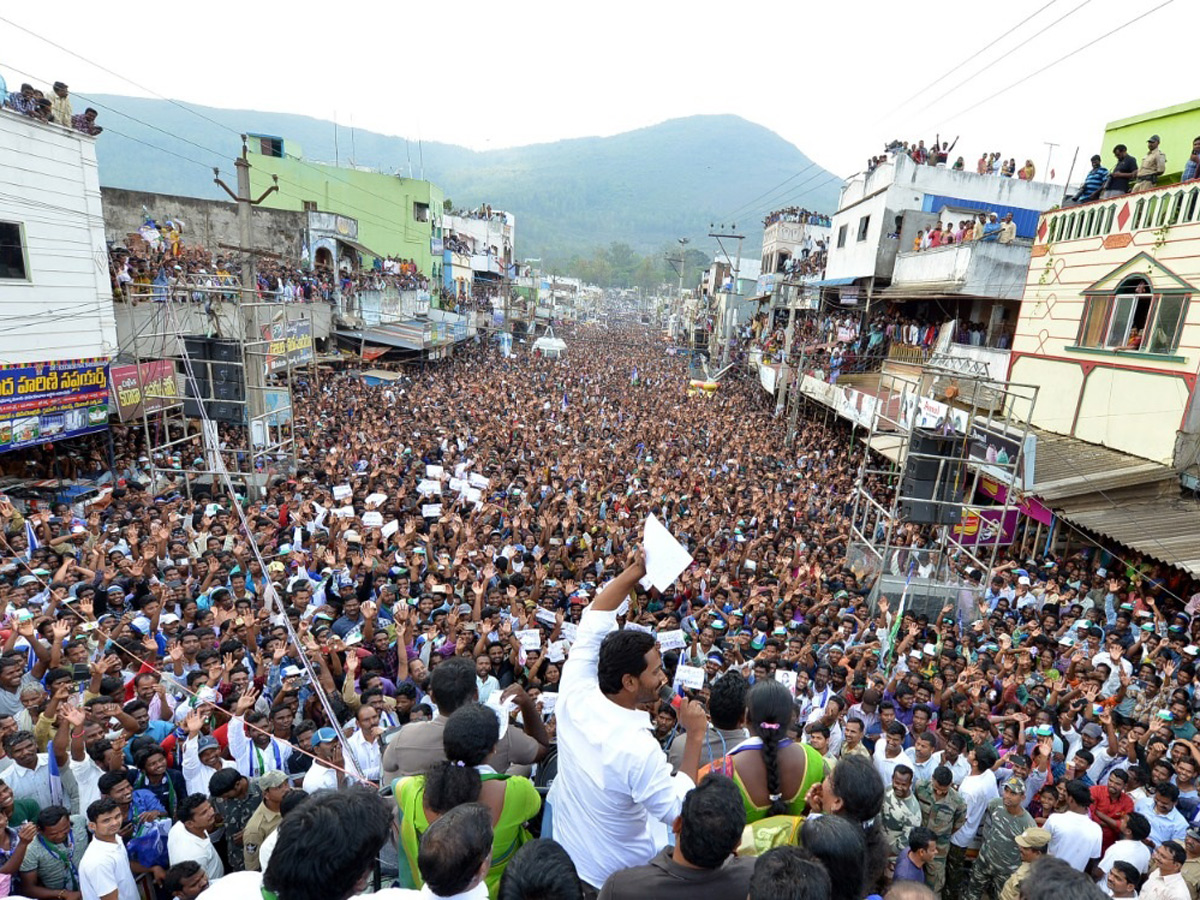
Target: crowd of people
x,y
797,214
54,109
987,227
448,604
938,154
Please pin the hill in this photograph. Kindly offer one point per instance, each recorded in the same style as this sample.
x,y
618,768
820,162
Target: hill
x,y
644,188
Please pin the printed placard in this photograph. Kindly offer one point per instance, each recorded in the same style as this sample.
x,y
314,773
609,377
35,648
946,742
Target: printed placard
x,y
691,677
342,492
672,640
530,638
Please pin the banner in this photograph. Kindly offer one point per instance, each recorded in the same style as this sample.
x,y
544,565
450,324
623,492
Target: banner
x,y
52,401
156,379
1030,506
987,526
289,346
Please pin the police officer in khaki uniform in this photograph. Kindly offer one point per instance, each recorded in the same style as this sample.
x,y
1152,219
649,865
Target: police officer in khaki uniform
x,y
1033,843
1154,164
943,811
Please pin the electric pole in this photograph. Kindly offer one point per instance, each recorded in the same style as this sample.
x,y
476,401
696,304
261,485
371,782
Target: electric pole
x,y
254,364
727,318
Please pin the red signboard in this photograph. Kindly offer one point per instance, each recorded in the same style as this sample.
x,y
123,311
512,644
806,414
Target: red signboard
x,y
155,382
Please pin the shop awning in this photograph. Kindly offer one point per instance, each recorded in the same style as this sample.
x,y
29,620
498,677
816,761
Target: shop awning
x,y
833,282
355,245
1163,527
1066,467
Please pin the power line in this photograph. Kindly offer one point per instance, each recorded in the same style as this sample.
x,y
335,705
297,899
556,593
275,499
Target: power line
x,y
953,69
990,68
1063,58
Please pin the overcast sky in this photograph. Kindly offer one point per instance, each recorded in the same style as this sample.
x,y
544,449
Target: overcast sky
x,y
837,79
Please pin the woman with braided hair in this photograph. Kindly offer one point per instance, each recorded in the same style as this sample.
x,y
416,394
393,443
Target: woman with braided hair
x,y
773,772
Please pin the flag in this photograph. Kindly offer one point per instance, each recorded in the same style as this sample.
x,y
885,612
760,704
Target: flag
x,y
633,378
564,403
31,538
56,785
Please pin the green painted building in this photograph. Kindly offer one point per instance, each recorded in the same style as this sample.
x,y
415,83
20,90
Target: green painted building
x,y
1176,127
396,216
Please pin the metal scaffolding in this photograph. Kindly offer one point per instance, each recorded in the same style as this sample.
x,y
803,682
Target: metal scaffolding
x,y
979,482
262,342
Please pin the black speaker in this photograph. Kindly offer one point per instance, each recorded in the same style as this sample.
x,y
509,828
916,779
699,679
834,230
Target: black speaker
x,y
225,351
931,487
229,413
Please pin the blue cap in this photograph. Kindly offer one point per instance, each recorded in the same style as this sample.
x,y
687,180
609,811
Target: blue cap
x,y
324,736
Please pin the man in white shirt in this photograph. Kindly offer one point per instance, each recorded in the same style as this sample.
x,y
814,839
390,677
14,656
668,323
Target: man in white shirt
x,y
1131,848
364,743
1166,882
104,872
829,716
922,758
1113,657
201,756
1166,822
889,752
326,749
1074,837
189,837
614,793
976,790
29,775
259,752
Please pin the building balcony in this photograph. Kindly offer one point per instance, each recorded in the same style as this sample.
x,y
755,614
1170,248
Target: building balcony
x,y
1118,219
974,269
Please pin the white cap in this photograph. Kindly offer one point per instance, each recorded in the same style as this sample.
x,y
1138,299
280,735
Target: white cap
x,y
1024,579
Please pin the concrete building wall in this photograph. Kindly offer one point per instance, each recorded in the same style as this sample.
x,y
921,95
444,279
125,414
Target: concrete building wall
x,y
63,308
207,223
1176,126
1135,401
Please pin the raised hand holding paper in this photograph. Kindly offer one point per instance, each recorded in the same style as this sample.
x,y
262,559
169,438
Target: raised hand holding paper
x,y
666,558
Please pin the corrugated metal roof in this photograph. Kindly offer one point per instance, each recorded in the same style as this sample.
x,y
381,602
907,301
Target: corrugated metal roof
x,y
1068,467
1166,528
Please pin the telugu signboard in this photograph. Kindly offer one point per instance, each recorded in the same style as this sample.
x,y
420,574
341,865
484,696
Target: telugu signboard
x,y
52,401
136,393
987,526
290,345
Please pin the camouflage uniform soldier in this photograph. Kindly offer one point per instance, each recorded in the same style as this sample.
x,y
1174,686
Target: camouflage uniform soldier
x,y
901,811
999,853
1033,843
943,811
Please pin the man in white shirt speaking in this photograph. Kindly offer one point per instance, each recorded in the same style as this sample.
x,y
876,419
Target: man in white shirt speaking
x,y
614,792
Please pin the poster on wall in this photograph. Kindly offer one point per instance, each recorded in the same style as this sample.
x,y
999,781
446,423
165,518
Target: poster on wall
x,y
290,345
52,401
135,392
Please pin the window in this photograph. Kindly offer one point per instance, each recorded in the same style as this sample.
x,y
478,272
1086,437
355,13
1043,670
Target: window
x,y
863,224
13,264
310,205
420,212
1133,319
842,237
269,146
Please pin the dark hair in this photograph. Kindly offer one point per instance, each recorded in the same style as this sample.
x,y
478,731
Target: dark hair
x,y
943,776
97,808
713,818
223,781
920,837
985,756
856,782
291,800
540,870
110,780
51,815
188,806
1138,825
1051,878
454,848
770,708
840,846
453,683
327,843
621,653
789,873
471,733
16,739
1165,789
1129,870
1175,850
727,700
177,873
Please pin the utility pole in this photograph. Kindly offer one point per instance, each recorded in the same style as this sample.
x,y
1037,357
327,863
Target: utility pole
x,y
727,319
253,363
785,370
1050,145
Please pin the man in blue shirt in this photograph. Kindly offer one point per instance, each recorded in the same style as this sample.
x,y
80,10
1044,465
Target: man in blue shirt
x,y
922,847
1093,183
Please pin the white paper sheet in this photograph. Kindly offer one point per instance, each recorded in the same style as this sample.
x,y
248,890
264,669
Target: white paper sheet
x,y
787,678
342,491
546,617
434,471
428,487
555,651
372,519
635,626
570,631
479,481
672,640
666,558
376,499
431,510
391,528
345,512
530,638
503,710
689,677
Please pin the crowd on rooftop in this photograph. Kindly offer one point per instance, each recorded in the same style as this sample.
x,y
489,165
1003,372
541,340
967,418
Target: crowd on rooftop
x,y
939,152
54,109
796,214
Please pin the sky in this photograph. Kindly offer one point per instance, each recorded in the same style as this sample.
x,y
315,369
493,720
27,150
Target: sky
x,y
837,80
